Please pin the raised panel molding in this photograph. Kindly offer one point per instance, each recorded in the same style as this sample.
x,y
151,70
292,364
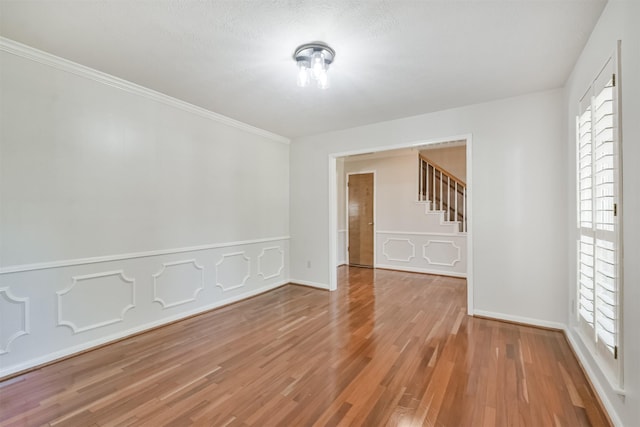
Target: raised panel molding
x,y
11,304
390,241
442,253
99,306
226,274
176,284
264,252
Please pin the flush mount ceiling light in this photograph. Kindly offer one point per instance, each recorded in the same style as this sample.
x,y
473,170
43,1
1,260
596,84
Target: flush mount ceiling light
x,y
313,61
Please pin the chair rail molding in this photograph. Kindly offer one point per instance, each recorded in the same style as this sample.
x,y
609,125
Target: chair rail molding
x,y
6,297
169,265
98,301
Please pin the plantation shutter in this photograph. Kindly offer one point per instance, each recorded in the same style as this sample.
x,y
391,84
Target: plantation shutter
x,y
606,171
586,287
598,219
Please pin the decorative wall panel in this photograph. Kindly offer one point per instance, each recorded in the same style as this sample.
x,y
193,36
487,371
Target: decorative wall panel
x,y
401,250
441,252
92,297
14,318
270,262
232,271
178,283
95,300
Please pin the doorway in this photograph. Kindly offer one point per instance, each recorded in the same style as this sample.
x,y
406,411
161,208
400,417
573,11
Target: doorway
x,y
332,202
360,207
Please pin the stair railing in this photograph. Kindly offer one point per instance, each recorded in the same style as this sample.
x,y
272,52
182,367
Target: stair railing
x,y
444,191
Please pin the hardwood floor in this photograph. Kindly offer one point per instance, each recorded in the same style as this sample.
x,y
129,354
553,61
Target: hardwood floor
x,y
388,348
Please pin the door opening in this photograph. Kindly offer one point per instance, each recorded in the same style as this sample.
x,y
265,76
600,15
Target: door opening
x,y
360,208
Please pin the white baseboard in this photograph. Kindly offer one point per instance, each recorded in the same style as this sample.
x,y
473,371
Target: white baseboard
x,y
70,351
521,319
587,365
308,283
421,270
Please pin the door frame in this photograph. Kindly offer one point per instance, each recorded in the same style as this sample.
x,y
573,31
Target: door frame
x,y
333,208
375,224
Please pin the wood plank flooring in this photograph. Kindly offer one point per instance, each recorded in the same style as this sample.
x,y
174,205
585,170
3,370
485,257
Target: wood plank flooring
x,y
388,348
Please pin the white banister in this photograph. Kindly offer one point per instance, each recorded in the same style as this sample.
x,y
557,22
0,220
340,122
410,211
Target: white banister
x,y
430,190
441,190
455,192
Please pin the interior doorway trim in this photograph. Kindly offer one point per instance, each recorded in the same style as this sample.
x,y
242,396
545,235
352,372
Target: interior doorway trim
x,y
333,199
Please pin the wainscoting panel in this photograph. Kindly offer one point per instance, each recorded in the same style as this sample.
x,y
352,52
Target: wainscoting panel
x,y
233,270
435,253
14,318
95,300
398,250
187,273
341,252
48,311
271,262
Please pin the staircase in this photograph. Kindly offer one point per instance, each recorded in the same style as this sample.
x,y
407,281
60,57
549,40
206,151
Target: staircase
x,y
444,193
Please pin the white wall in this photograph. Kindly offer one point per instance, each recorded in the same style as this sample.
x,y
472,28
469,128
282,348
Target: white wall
x,y
122,209
619,21
519,208
408,236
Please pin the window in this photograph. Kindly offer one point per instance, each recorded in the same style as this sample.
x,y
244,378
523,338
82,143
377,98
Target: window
x,y
599,218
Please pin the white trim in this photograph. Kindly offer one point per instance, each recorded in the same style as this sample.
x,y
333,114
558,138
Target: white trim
x,y
119,257
165,305
25,318
588,345
469,219
28,52
449,242
75,279
333,214
423,233
119,335
244,280
279,272
595,381
308,283
520,319
386,255
333,223
422,270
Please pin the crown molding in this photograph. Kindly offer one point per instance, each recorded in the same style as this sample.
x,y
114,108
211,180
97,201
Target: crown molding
x,y
28,52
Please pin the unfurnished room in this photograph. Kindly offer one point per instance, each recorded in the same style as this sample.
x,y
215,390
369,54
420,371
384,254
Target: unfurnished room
x,y
320,213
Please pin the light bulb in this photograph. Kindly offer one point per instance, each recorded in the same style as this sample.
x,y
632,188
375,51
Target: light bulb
x,y
323,80
317,64
303,74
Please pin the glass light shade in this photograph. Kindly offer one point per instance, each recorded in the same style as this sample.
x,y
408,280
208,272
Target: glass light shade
x,y
303,74
313,61
317,64
323,80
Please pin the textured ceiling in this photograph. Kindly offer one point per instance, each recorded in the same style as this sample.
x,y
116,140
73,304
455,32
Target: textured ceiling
x,y
395,58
